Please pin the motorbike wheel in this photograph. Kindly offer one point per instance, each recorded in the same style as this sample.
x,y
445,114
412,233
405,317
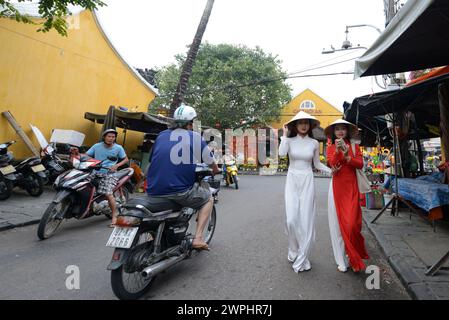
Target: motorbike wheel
x,y
36,187
236,182
48,224
210,227
5,189
122,281
208,230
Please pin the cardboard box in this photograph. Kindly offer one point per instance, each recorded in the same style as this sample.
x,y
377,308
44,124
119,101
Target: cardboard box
x,y
71,137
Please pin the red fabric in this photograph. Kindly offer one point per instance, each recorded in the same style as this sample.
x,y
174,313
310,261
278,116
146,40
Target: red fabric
x,y
362,200
347,203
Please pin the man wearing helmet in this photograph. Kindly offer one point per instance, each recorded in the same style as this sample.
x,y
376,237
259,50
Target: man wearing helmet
x,y
171,175
101,151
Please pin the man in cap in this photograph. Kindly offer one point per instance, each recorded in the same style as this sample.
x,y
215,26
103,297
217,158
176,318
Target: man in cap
x,y
108,148
171,176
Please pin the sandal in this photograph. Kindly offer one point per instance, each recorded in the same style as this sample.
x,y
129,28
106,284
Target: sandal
x,y
112,225
200,246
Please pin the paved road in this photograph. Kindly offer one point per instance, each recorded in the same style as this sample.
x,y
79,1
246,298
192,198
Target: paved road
x,y
247,258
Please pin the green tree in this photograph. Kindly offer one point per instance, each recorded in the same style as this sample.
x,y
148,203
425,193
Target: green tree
x,y
52,11
229,85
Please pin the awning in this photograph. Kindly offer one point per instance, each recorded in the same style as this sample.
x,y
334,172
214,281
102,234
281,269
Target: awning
x,y
421,99
135,121
416,38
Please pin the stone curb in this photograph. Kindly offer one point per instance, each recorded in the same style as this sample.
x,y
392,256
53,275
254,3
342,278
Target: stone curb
x,y
404,262
9,226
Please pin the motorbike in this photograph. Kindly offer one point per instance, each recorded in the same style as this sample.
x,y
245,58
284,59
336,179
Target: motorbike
x,y
28,174
231,174
8,174
77,196
147,243
54,165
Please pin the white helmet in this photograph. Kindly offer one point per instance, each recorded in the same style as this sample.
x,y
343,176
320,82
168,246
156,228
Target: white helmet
x,y
184,113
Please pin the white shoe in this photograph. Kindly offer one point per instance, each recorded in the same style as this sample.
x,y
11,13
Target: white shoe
x,y
306,267
342,269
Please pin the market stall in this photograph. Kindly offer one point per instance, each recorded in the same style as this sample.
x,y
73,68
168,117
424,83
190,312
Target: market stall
x,y
409,114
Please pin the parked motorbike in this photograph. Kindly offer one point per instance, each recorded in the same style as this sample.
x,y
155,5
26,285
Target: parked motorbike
x,y
231,174
8,174
77,195
54,165
28,174
147,243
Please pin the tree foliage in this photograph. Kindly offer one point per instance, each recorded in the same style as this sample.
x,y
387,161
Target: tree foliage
x,y
52,11
229,85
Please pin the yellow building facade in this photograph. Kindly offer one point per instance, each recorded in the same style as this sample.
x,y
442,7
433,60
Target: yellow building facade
x,y
308,101
50,81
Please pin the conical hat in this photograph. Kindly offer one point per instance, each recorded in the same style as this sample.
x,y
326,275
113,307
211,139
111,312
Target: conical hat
x,y
304,115
330,128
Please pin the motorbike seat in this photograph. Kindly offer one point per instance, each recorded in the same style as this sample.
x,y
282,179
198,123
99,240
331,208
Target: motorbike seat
x,y
170,213
22,162
122,173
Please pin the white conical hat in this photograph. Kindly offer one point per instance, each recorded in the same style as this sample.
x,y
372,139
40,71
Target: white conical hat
x,y
304,115
328,131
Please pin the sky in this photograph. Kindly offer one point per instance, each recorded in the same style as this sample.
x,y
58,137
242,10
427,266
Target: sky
x,y
149,33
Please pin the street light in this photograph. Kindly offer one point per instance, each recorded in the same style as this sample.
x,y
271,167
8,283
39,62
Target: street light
x,y
347,45
332,49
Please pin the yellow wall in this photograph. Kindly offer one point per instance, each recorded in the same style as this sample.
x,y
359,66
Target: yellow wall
x,y
51,81
324,111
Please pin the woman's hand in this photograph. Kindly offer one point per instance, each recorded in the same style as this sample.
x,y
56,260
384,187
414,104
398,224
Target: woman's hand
x,y
339,144
335,168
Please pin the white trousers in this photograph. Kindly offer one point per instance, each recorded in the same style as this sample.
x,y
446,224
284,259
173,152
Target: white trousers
x,y
300,217
338,244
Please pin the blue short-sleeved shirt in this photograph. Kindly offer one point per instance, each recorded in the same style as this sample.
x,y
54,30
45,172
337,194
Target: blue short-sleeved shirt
x,y
100,152
173,161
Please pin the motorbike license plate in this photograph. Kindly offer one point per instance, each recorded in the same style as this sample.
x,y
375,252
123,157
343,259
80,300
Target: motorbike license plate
x,y
7,170
38,168
122,237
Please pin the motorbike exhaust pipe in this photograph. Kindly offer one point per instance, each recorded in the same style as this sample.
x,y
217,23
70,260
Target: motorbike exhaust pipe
x,y
157,268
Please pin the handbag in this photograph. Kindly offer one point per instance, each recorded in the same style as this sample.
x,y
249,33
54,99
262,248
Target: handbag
x,y
362,180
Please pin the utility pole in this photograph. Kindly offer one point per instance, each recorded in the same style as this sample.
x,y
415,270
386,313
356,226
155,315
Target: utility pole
x,y
190,60
390,10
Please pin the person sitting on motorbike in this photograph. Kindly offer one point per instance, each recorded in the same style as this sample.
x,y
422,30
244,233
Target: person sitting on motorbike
x,y
171,175
228,158
101,151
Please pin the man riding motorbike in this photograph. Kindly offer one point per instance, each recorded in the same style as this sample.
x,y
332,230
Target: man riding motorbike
x,y
101,151
171,175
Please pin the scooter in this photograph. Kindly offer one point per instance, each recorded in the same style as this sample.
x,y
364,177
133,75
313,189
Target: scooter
x,y
8,174
54,165
147,242
77,195
231,174
28,174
